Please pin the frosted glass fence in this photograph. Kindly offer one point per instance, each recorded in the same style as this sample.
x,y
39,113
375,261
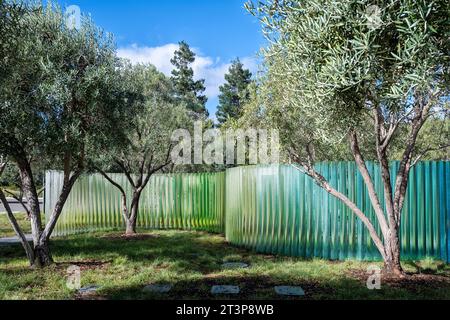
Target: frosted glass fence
x,y
271,209
188,201
277,209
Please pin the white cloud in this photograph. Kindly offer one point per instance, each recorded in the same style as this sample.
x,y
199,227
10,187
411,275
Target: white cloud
x,y
205,67
158,56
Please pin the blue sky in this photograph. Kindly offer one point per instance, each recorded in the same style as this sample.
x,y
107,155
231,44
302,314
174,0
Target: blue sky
x,y
148,31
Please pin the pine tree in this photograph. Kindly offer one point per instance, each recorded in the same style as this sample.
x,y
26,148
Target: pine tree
x,y
234,93
186,88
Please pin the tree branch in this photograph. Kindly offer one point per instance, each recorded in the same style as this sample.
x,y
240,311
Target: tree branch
x,y
424,153
126,172
20,234
125,212
323,183
384,164
20,200
3,164
110,180
152,171
360,162
386,140
421,115
67,188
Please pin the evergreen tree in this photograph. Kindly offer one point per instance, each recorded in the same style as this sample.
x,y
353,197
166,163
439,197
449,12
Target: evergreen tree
x,y
234,93
186,88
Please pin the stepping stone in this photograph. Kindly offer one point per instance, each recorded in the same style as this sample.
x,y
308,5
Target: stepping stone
x,y
235,265
289,291
88,289
225,290
157,288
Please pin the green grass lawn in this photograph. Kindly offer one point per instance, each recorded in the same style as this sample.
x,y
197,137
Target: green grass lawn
x,y
5,226
191,261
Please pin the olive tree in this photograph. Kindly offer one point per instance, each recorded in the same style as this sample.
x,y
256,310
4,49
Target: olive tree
x,y
143,145
57,102
357,71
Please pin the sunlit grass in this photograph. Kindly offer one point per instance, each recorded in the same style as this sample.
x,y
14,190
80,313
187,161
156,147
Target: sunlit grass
x,y
192,263
5,226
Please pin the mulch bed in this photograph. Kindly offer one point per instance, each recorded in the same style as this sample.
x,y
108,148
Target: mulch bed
x,y
85,265
410,282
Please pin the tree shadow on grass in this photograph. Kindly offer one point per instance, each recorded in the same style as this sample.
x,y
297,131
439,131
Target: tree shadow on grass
x,y
199,256
254,287
433,268
190,251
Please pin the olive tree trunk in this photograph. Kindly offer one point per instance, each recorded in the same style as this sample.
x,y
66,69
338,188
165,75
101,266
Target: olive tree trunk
x,y
40,235
131,221
129,215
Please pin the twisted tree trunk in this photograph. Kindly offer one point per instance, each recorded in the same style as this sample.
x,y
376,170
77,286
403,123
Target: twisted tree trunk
x,y
130,214
131,222
41,249
42,256
392,263
23,240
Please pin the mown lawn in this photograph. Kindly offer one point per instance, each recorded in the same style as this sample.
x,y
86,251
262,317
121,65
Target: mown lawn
x,y
191,261
5,226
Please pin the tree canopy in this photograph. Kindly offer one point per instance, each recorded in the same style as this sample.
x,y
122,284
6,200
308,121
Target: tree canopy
x,y
371,73
188,90
330,58
58,100
234,93
143,144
